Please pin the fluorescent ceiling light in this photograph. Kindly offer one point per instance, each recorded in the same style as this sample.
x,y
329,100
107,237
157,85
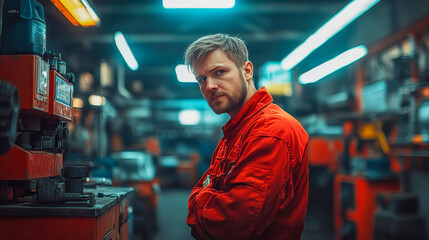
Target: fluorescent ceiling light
x,y
97,100
349,13
184,74
125,51
333,65
189,117
78,12
198,3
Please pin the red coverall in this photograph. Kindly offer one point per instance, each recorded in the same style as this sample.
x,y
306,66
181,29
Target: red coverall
x,y
258,177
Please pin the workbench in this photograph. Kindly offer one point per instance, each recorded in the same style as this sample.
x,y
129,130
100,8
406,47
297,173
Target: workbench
x,y
107,219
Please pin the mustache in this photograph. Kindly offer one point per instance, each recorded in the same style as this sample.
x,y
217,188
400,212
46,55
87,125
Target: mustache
x,y
216,94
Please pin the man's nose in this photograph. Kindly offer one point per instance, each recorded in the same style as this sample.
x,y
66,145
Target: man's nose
x,y
211,84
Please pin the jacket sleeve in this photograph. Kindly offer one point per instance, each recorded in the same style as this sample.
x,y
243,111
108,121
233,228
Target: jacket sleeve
x,y
251,196
190,220
192,203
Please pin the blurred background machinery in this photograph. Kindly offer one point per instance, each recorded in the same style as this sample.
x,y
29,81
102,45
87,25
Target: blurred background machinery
x,y
39,198
383,148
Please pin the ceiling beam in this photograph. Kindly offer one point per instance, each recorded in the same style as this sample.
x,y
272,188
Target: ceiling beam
x,y
184,38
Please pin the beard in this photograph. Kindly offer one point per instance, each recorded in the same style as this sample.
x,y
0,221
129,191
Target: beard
x,y
235,100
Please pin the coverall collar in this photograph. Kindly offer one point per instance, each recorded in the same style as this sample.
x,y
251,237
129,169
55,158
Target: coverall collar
x,y
257,102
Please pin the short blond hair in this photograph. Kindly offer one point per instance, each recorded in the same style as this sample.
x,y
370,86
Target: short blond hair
x,y
233,47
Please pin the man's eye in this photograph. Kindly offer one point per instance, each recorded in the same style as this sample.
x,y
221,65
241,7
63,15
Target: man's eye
x,y
201,79
220,72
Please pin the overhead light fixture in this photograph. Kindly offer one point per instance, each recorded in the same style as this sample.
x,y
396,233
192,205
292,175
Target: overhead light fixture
x,y
97,100
77,103
338,62
125,51
189,117
184,74
347,15
198,3
78,12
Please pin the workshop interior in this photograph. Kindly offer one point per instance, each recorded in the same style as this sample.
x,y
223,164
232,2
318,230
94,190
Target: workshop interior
x,y
104,130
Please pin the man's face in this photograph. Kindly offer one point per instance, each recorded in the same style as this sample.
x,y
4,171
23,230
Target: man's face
x,y
223,84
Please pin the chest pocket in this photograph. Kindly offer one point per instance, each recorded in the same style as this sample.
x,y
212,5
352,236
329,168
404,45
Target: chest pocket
x,y
219,160
224,163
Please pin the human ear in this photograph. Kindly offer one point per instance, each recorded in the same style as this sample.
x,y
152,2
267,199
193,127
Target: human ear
x,y
248,70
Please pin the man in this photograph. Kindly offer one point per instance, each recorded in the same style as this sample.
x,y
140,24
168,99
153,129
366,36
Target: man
x,y
257,184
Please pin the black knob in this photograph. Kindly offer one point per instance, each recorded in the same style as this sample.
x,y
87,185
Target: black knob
x,y
74,176
74,172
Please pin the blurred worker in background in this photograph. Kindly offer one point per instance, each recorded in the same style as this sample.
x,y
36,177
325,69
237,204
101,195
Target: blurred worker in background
x,y
257,184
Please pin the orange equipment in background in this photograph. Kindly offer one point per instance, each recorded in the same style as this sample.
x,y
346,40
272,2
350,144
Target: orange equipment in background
x,y
355,204
323,151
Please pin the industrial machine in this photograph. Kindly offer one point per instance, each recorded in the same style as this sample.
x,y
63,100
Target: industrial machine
x,y
39,199
365,172
375,197
398,218
355,204
137,169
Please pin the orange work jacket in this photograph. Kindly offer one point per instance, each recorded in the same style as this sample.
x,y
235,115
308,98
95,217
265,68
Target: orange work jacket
x,y
258,187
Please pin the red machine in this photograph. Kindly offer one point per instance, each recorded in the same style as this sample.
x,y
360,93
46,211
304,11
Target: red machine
x,y
325,151
36,203
108,219
355,204
37,155
39,199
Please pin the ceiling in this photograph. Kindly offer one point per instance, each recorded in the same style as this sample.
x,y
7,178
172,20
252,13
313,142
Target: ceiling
x,y
158,37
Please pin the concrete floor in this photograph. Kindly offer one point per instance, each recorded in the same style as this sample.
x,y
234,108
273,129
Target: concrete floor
x,y
172,212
